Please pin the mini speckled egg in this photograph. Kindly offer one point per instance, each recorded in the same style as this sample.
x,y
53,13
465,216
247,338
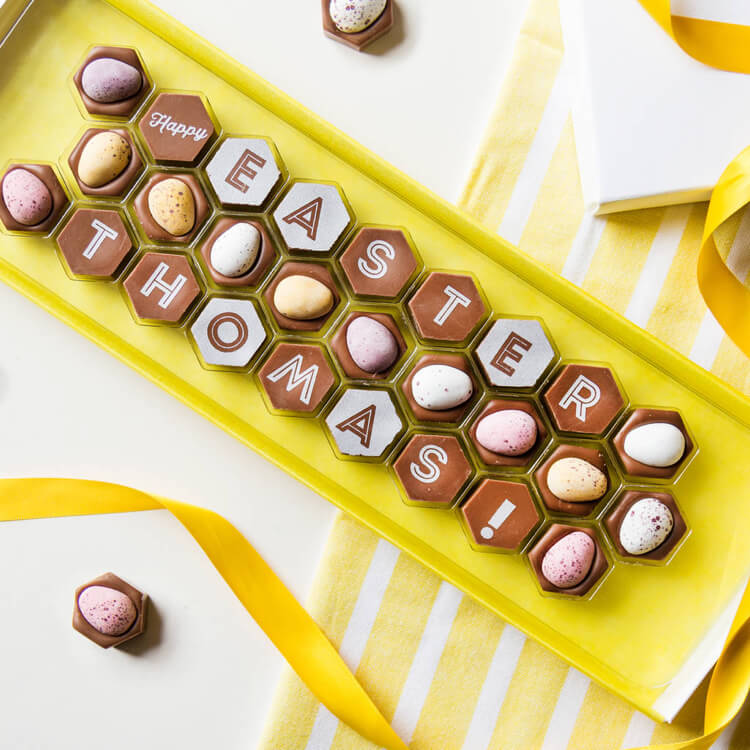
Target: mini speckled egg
x,y
26,197
441,387
172,206
509,432
103,158
371,345
568,561
302,298
235,250
107,610
575,480
351,16
646,525
107,80
655,444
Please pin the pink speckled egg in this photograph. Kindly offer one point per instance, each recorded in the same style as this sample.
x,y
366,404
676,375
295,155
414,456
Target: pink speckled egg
x,y
371,345
26,197
509,432
108,80
568,561
107,610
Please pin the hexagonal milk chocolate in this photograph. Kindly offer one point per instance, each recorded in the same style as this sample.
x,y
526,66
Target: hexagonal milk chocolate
x,y
574,477
357,40
112,81
94,242
496,433
99,154
162,287
584,399
379,262
515,353
296,377
313,216
373,346
653,443
638,525
432,469
500,514
244,172
32,198
566,562
228,332
176,196
364,422
177,128
447,307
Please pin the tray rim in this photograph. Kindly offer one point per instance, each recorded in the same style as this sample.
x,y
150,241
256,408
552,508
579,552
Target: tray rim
x,y
684,372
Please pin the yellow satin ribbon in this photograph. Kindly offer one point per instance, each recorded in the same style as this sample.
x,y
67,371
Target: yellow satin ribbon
x,y
261,592
725,46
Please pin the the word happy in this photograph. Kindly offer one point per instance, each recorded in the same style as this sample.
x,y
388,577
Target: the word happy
x,y
166,124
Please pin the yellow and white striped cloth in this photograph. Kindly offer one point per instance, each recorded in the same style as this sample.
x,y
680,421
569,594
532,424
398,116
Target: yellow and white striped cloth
x,y
446,672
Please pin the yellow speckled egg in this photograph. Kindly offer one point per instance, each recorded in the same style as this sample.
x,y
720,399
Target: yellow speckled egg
x,y
172,206
103,158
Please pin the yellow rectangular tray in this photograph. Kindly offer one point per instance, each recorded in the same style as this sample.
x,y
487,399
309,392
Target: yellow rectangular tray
x,y
640,630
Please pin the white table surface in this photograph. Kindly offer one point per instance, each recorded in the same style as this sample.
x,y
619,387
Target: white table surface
x,y
204,675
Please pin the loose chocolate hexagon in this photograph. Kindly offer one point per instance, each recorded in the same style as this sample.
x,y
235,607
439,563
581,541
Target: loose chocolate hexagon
x,y
591,455
120,107
379,262
16,190
500,514
313,216
432,470
151,227
138,599
314,271
498,459
554,534
454,414
94,243
178,128
447,307
267,254
162,287
584,399
245,172
340,347
296,377
364,422
515,353
228,332
120,184
359,39
639,418
623,505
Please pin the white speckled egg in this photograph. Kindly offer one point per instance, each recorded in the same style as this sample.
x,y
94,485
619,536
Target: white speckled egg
x,y
351,16
646,525
441,387
655,444
235,250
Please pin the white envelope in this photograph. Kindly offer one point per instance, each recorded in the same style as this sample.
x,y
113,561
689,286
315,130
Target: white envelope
x,y
652,125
